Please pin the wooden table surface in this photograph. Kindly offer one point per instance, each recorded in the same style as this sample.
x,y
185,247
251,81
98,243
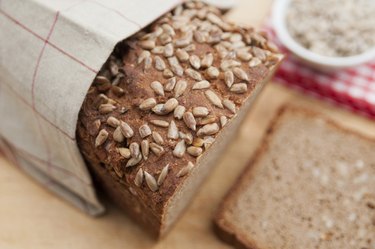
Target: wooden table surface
x,y
31,217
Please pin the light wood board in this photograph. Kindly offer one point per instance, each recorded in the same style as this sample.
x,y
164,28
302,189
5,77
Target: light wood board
x,y
31,217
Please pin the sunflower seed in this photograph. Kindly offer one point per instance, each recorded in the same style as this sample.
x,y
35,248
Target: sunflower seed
x,y
200,111
222,51
159,63
214,18
193,74
147,44
240,73
182,42
145,149
160,123
168,50
167,73
223,121
94,128
123,109
132,191
185,170
148,63
170,105
229,78
244,55
144,54
170,84
147,104
157,87
118,171
229,105
134,149
204,84
213,98
126,130
213,72
112,121
198,142
175,66
259,53
138,180
180,88
144,131
165,39
194,151
101,138
106,108
168,29
179,111
239,88
101,80
228,64
173,131
118,136
207,60
151,182
133,161
254,62
190,120
124,152
199,37
182,55
163,175
195,62
159,109
179,149
208,129
187,137
208,142
157,138
157,149
207,120
118,91
158,50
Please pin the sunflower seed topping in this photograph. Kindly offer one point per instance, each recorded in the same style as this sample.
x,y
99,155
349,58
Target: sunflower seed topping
x,y
163,175
101,137
157,87
255,62
207,60
228,64
145,148
175,66
94,128
179,149
151,182
126,130
118,136
134,149
147,44
200,111
213,72
168,50
157,149
159,123
180,88
124,152
158,50
148,63
112,121
159,109
106,108
133,161
182,55
223,121
167,73
170,105
185,170
170,84
190,120
144,54
213,98
168,29
240,73
147,104
207,120
204,84
198,142
194,151
172,131
138,180
208,129
195,62
157,138
199,37
101,80
159,63
144,131
229,105
244,55
239,88
179,111
229,78
193,74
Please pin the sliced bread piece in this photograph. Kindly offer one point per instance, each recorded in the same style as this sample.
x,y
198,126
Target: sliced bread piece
x,y
311,184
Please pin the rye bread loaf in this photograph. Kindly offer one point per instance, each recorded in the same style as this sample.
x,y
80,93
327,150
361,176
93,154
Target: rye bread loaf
x,y
164,106
310,185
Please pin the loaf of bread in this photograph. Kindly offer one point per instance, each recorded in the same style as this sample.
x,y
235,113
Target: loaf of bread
x,y
310,185
164,106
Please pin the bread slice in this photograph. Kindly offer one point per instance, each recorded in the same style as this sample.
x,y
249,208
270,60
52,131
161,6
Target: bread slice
x,y
311,184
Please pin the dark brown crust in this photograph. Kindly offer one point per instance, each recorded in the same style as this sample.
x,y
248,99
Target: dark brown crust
x,y
223,228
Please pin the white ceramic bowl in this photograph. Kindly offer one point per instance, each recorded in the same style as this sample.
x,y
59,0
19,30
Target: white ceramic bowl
x,y
317,61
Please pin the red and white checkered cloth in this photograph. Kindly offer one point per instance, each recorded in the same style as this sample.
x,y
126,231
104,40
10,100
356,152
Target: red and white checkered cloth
x,y
352,88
